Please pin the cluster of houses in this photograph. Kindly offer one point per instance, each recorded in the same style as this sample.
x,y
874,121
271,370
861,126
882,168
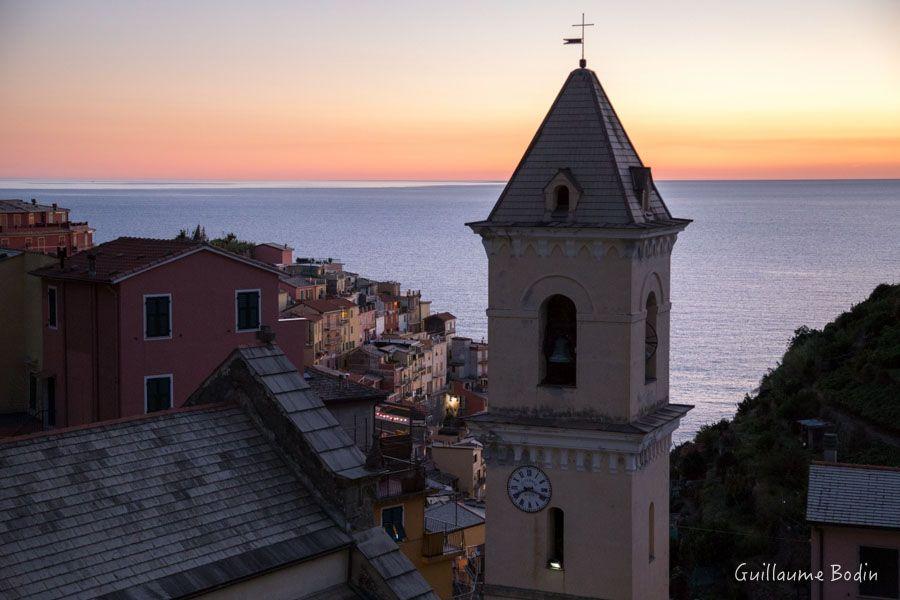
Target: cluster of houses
x,y
179,420
182,355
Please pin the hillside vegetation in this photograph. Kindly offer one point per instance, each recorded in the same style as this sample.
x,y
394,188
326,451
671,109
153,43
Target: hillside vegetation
x,y
739,488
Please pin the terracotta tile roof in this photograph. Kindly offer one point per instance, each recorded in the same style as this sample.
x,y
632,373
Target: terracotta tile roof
x,y
443,316
325,305
126,256
20,206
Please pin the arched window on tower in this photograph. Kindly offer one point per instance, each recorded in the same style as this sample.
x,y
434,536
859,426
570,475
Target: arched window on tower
x,y
556,531
561,197
651,526
560,341
651,340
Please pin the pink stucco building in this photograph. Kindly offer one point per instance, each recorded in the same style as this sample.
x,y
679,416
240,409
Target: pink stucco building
x,y
274,254
854,517
135,325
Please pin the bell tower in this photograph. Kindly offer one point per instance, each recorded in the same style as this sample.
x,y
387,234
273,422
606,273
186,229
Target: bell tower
x,y
579,427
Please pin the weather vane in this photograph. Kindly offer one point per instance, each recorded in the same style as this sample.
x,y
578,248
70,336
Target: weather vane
x,y
579,40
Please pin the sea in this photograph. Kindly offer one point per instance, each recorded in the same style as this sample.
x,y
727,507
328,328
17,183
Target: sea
x,y
761,258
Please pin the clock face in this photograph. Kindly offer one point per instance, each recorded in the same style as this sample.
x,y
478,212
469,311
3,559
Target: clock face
x,y
529,489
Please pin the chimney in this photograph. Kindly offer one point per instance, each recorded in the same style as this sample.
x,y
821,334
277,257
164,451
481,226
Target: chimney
x,y
61,255
92,264
829,441
265,334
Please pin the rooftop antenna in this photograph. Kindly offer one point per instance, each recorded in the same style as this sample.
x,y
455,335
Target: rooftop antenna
x,y
579,40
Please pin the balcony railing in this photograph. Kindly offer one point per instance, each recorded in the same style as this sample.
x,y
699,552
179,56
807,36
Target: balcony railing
x,y
441,543
403,477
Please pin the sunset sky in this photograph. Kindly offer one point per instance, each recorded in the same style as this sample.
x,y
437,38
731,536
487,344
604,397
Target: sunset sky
x,y
440,90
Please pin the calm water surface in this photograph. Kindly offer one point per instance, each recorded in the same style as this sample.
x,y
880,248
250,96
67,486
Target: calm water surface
x,y
760,259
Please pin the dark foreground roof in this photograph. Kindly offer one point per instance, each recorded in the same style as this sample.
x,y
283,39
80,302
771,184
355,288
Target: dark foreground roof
x,y
392,565
854,495
299,403
159,506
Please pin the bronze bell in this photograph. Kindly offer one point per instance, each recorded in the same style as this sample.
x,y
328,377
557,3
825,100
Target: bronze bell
x,y
562,352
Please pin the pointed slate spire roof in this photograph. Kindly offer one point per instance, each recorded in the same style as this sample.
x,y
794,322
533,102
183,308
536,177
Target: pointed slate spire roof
x,y
581,138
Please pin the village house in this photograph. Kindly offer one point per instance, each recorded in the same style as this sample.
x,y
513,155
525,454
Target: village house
x,y
252,491
400,509
41,228
469,361
274,254
367,323
135,325
442,323
462,459
340,326
461,523
301,288
386,365
21,353
389,307
854,517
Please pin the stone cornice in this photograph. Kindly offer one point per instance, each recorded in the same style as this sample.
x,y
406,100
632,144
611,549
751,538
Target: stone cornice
x,y
566,449
571,243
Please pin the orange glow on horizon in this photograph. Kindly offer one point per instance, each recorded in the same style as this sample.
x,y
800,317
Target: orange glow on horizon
x,y
217,91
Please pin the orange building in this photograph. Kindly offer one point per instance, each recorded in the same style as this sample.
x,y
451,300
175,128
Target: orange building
x,y
41,228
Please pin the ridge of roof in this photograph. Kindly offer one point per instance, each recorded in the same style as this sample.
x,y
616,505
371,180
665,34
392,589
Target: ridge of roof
x,y
126,256
580,135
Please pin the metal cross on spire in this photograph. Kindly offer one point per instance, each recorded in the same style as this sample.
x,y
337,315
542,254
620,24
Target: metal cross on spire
x,y
579,40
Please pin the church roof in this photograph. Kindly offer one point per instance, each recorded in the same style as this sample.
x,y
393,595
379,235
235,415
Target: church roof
x,y
582,138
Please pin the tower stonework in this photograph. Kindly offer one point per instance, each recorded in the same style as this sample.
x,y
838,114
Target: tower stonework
x,y
579,424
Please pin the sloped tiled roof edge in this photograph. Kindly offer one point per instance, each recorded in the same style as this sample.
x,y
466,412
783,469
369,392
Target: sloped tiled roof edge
x,y
265,382
853,495
390,565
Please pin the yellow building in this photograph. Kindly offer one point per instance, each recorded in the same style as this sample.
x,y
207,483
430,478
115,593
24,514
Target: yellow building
x,y
400,509
21,324
464,461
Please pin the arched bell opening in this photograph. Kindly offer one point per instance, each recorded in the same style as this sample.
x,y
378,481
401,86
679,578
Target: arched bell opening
x,y
560,341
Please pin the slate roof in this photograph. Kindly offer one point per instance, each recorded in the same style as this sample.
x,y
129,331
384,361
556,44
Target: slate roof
x,y
582,134
306,411
393,566
160,506
20,206
335,388
450,516
854,495
127,256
